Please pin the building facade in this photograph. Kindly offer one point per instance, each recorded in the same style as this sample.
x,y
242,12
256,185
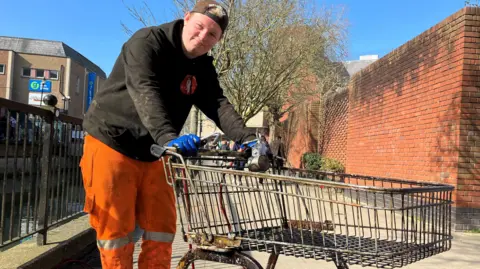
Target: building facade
x,y
30,69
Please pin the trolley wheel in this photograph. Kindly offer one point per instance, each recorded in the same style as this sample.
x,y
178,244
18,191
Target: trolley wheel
x,y
272,260
339,261
232,257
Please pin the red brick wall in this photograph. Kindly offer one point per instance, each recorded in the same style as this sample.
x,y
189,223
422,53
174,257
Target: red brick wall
x,y
468,184
315,127
301,132
333,134
413,114
407,111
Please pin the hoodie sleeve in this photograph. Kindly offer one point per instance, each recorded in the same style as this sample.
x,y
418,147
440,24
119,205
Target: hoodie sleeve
x,y
141,57
218,108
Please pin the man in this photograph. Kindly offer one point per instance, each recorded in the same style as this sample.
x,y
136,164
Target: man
x,y
223,144
160,73
237,164
265,148
278,152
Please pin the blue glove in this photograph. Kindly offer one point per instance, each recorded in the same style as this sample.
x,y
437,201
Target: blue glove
x,y
187,144
250,144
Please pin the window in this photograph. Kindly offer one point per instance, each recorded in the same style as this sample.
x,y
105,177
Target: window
x,y
53,74
77,89
40,73
26,72
2,69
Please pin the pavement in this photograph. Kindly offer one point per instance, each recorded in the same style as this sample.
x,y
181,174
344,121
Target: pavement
x,y
463,254
28,250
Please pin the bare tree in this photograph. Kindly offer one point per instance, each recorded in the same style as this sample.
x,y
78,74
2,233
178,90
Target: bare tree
x,y
142,14
275,53
472,3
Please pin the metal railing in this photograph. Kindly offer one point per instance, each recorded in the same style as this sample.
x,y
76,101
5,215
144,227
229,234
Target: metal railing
x,y
40,180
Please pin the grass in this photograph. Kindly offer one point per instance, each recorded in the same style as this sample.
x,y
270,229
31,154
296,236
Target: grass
x,y
476,231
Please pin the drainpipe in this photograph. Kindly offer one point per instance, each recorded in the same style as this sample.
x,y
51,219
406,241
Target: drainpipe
x,y
10,71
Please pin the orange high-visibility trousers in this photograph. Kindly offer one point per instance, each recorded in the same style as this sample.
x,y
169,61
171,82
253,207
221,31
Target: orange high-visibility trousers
x,y
119,191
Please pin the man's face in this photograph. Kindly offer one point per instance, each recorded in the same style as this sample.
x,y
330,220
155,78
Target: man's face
x,y
200,34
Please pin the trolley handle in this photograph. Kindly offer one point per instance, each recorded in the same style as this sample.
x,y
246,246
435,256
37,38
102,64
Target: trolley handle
x,y
222,153
255,161
158,151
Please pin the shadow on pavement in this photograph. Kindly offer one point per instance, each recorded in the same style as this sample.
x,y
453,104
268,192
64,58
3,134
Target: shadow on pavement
x,y
90,261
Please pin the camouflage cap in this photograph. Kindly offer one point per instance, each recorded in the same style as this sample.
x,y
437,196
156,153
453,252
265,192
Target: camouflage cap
x,y
214,11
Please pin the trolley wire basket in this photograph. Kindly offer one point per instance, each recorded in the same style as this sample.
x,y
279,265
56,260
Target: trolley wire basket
x,y
356,219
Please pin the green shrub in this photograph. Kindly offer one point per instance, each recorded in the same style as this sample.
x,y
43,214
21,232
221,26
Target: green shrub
x,y
331,165
312,161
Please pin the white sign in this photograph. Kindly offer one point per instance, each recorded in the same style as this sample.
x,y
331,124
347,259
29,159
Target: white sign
x,y
35,98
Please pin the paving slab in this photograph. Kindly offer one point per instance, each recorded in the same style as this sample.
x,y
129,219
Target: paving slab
x,y
28,250
463,254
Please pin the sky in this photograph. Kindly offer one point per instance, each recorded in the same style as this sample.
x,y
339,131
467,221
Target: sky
x,y
93,27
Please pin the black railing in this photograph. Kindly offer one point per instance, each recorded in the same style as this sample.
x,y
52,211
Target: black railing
x,y
40,180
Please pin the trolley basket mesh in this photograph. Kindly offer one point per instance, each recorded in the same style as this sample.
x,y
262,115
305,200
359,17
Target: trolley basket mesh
x,y
368,221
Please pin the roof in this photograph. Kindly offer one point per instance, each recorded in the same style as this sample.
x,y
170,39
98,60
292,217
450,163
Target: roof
x,y
347,70
48,48
355,66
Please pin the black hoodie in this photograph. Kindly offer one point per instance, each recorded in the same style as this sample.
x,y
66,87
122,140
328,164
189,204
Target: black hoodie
x,y
150,91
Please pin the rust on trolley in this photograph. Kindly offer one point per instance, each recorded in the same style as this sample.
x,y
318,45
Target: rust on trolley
x,y
311,225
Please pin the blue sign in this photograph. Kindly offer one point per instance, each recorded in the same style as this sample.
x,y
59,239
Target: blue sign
x,y
90,89
38,85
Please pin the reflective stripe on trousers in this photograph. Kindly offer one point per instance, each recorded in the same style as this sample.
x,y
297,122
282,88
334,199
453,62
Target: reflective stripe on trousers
x,y
123,241
115,243
159,236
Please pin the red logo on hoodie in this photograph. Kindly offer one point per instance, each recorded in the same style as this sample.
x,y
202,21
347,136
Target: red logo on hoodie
x,y
189,85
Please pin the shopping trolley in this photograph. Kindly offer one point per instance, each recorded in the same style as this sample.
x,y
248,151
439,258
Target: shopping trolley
x,y
344,218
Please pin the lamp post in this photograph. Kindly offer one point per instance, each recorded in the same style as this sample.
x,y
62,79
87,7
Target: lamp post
x,y
66,103
41,90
